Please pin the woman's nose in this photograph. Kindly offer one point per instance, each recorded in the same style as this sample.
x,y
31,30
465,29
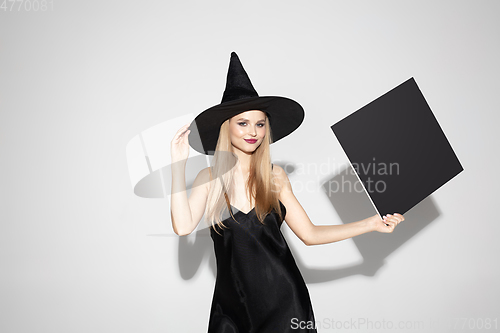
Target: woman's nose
x,y
252,131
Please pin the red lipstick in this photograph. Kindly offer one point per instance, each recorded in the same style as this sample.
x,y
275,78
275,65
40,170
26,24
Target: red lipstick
x,y
252,141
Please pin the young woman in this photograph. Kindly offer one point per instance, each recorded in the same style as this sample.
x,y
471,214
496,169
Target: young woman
x,y
245,198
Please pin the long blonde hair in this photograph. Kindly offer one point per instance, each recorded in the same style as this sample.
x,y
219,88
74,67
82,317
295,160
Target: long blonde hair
x,y
261,189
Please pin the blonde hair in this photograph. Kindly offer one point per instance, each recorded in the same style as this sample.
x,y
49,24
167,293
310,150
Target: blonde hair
x,y
261,189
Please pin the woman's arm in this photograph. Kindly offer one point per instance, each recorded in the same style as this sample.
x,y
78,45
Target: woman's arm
x,y
311,234
186,213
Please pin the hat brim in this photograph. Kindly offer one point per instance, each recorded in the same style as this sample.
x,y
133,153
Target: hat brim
x,y
285,116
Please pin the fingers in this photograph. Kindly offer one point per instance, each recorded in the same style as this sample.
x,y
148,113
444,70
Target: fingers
x,y
180,133
391,221
398,217
384,219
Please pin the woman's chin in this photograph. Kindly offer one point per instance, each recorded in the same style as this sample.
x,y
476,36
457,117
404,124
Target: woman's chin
x,y
245,150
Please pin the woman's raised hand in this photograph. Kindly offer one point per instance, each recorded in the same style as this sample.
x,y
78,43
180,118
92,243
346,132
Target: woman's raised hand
x,y
387,224
179,147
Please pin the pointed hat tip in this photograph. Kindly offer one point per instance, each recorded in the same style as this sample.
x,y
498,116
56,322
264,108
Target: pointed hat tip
x,y
233,54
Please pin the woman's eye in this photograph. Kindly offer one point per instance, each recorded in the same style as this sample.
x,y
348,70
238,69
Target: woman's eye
x,y
243,123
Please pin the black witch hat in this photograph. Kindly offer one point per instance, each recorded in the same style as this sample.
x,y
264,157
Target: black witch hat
x,y
284,114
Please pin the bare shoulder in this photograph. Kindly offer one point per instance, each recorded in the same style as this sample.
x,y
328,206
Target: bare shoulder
x,y
203,178
278,171
280,176
204,172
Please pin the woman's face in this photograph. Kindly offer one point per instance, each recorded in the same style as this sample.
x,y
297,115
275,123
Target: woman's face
x,y
247,130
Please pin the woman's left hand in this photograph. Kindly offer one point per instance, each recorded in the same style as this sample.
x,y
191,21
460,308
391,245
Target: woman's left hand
x,y
387,224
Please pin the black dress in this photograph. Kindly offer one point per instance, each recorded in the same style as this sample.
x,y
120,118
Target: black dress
x,y
259,288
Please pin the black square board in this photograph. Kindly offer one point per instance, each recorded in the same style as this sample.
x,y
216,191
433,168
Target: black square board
x,y
398,149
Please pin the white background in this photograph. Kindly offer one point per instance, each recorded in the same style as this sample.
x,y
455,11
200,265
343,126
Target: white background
x,y
80,252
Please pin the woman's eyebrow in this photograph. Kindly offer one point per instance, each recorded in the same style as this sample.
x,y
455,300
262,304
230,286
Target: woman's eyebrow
x,y
248,120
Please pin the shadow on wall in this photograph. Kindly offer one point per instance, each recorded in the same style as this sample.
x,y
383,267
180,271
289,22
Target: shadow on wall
x,y
354,205
157,184
350,205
